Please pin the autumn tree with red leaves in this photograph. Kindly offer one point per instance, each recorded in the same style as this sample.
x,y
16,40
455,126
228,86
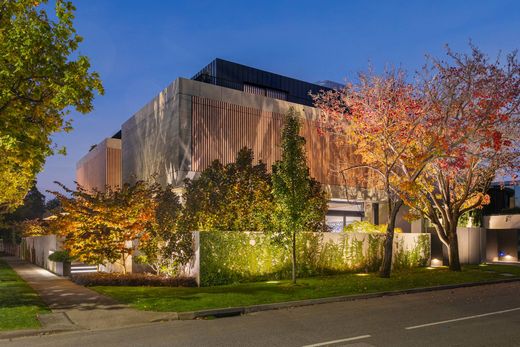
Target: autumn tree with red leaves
x,y
383,118
472,106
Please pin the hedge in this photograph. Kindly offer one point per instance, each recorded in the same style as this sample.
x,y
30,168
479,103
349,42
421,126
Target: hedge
x,y
228,257
131,279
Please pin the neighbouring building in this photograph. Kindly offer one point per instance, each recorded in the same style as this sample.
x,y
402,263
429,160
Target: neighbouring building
x,y
101,166
502,222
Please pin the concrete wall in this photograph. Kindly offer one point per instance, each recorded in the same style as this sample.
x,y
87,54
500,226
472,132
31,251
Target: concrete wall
x,y
403,244
472,246
154,139
502,235
502,241
508,221
37,250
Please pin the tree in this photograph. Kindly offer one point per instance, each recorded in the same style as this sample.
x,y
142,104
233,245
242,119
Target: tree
x,y
41,80
299,203
169,246
52,206
33,206
108,226
382,118
25,217
232,197
473,107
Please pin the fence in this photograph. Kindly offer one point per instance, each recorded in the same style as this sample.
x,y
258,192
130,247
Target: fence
x,y
226,257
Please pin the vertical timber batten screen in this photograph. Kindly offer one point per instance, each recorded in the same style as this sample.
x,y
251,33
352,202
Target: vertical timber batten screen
x,y
220,129
113,168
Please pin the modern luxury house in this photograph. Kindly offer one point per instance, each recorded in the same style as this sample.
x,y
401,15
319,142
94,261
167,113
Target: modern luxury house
x,y
227,106
221,109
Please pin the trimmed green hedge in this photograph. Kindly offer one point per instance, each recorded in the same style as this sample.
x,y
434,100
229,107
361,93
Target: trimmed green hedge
x,y
228,257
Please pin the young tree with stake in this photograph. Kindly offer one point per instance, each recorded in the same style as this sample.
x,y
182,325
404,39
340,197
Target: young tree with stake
x,y
299,203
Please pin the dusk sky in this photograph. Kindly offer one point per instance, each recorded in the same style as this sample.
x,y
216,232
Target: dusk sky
x,y
139,47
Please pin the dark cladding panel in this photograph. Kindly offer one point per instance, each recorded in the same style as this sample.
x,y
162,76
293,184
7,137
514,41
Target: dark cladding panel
x,y
232,75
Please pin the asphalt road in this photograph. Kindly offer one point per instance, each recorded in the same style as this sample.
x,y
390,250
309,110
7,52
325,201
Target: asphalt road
x,y
477,316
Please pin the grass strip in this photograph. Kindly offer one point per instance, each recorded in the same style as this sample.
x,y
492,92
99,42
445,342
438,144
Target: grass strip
x,y
178,299
19,303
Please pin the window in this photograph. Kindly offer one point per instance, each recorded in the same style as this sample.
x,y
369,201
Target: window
x,y
276,94
270,93
343,212
251,89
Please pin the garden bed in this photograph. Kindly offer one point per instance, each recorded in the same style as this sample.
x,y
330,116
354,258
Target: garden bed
x,y
131,279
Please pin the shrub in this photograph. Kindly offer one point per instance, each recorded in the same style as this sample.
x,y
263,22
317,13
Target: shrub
x,y
131,279
60,257
367,227
230,257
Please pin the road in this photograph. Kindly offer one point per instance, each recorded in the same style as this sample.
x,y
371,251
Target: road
x,y
477,316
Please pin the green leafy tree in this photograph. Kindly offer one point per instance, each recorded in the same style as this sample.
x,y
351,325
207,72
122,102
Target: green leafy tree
x,y
25,217
232,197
41,81
169,247
52,206
299,203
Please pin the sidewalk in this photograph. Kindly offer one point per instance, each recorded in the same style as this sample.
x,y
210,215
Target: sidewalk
x,y
75,305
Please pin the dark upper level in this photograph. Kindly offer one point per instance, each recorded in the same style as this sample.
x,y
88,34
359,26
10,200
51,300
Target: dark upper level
x,y
248,79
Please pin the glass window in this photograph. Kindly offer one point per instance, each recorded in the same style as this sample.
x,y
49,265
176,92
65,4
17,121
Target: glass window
x,y
335,223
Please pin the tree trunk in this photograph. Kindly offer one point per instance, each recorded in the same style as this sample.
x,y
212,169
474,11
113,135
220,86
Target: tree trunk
x,y
294,257
386,266
123,259
453,249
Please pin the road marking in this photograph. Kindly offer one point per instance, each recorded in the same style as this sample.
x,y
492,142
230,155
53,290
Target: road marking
x,y
338,341
463,318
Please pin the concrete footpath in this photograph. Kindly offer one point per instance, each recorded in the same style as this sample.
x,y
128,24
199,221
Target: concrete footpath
x,y
75,307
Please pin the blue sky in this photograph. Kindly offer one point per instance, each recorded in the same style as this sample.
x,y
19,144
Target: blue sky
x,y
139,47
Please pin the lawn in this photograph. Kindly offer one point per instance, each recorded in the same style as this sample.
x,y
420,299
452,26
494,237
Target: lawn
x,y
243,294
19,304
